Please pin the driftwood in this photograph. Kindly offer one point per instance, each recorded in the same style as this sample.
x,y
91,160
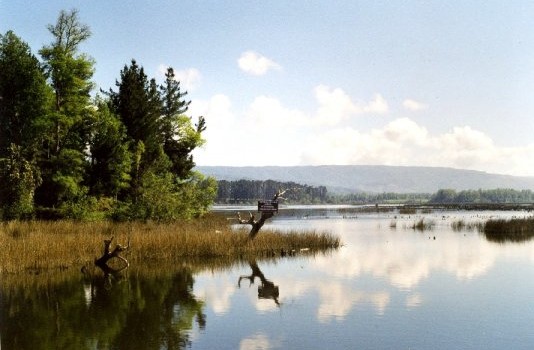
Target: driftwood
x,y
257,224
267,289
108,254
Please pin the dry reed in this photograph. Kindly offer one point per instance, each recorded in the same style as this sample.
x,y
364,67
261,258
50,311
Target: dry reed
x,y
35,246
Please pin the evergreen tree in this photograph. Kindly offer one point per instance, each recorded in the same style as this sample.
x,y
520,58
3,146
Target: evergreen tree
x,y
180,137
111,161
138,105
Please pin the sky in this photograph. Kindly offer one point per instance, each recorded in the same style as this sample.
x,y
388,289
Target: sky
x,y
409,83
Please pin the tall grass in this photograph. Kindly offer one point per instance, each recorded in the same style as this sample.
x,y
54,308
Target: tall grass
x,y
512,230
35,246
462,225
423,225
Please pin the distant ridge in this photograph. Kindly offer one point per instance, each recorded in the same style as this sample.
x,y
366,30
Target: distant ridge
x,y
373,178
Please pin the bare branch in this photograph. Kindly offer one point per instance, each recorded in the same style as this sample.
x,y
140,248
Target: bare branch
x,y
256,224
107,255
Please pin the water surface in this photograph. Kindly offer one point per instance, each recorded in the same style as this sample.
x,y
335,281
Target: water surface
x,y
389,286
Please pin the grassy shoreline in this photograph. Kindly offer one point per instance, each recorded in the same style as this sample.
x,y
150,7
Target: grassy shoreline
x,y
36,246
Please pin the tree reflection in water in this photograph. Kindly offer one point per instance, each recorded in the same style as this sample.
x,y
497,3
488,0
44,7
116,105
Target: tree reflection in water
x,y
135,312
267,289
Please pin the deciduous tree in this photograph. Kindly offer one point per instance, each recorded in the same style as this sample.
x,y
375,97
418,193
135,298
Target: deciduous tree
x,y
64,161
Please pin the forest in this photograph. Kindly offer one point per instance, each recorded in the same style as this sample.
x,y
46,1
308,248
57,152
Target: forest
x,y
67,151
499,195
249,191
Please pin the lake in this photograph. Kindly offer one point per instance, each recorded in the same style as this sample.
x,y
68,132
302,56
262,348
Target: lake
x,y
389,286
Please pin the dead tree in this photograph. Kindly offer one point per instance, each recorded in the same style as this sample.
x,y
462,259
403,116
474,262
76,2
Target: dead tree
x,y
108,254
257,224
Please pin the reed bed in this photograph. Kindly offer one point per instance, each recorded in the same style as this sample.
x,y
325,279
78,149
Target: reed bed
x,y
512,230
461,225
423,225
36,246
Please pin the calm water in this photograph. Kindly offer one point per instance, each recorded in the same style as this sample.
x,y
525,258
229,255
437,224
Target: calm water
x,y
388,287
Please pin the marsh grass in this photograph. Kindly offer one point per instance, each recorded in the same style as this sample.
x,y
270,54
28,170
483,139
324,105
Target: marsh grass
x,y
37,246
511,230
461,225
423,225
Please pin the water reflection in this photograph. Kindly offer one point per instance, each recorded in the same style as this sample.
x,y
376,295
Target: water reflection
x,y
267,289
137,313
387,287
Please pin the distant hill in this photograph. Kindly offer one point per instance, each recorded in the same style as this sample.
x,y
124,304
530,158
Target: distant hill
x,y
374,178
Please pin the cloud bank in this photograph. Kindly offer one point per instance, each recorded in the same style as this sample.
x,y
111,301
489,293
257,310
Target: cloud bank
x,y
328,135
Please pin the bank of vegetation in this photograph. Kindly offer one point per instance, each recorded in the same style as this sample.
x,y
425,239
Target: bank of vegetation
x,y
65,152
509,230
36,246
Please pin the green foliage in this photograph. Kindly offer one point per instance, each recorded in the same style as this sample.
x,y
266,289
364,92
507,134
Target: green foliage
x,y
198,193
103,313
163,198
24,95
111,160
138,105
70,74
19,180
127,156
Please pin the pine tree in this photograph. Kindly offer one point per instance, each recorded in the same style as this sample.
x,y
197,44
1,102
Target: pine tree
x,y
138,105
180,137
111,161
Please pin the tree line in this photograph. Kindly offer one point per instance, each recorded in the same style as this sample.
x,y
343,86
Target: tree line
x,y
499,195
124,153
249,191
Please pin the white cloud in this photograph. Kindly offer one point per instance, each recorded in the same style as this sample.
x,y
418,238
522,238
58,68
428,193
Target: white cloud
x,y
217,111
268,111
189,78
217,294
335,105
289,136
256,64
404,142
256,342
338,299
377,106
413,105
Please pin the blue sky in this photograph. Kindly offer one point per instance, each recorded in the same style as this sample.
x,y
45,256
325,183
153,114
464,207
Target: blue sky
x,y
430,83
